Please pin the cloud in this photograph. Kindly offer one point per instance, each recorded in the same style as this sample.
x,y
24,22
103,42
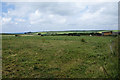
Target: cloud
x,y
61,0
6,20
42,16
19,20
35,17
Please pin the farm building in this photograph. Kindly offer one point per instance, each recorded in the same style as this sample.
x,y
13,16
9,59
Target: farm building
x,y
115,33
107,33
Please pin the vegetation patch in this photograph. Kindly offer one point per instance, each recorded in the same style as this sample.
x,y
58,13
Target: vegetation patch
x,y
59,57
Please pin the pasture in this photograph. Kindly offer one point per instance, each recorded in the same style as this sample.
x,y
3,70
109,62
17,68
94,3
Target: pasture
x,y
59,57
74,31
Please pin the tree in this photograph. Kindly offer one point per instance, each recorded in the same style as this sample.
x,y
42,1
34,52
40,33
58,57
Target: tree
x,y
39,33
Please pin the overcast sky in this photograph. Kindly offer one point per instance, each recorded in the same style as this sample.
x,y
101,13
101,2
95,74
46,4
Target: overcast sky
x,y
51,16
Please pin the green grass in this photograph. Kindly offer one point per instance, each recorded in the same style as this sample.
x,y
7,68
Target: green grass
x,y
65,32
59,57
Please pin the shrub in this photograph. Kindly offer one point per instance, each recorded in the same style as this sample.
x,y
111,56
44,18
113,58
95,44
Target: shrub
x,y
39,33
82,40
16,35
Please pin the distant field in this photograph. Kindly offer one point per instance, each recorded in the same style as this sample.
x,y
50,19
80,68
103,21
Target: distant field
x,y
67,32
64,32
59,57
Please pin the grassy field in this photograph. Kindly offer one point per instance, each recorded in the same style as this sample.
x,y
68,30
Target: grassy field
x,y
59,57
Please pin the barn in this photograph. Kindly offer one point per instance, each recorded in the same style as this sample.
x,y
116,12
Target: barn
x,y
107,33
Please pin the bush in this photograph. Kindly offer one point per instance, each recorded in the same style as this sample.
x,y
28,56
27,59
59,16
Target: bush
x,y
39,33
17,35
82,40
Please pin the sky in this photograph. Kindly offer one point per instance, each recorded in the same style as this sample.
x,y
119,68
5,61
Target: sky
x,y
58,16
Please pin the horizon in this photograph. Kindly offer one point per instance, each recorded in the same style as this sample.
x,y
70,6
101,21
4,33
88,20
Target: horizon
x,y
52,31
